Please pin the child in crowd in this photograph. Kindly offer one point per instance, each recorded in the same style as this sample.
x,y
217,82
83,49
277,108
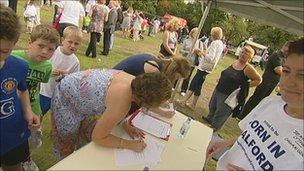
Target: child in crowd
x,y
4,3
88,14
30,15
64,61
272,133
43,42
16,115
86,23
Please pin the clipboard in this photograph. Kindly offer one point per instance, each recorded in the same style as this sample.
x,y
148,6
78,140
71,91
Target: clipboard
x,y
156,126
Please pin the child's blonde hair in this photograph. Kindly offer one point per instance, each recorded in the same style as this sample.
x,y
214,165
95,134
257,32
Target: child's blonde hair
x,y
72,31
45,32
193,32
216,33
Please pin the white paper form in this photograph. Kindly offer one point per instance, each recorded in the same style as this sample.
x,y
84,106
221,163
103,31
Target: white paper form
x,y
150,155
152,125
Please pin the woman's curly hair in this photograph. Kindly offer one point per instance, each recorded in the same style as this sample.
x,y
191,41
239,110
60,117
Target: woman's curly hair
x,y
151,89
176,65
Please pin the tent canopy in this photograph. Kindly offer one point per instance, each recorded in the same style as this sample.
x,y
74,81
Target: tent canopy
x,y
285,14
256,44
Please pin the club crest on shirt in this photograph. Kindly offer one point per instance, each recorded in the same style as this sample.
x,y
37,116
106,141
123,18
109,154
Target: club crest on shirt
x,y
8,85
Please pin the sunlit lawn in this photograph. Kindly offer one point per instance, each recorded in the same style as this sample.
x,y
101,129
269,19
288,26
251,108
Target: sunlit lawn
x,y
122,48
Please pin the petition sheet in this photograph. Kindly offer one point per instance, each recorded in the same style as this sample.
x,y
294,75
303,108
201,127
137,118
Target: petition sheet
x,y
152,125
150,155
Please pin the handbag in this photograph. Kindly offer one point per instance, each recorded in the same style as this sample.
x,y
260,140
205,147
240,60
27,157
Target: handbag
x,y
56,22
232,100
196,60
196,57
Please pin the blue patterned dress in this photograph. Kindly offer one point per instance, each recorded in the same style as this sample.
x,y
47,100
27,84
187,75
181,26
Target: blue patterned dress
x,y
76,102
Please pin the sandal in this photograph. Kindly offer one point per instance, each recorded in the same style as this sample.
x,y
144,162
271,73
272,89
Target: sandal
x,y
180,102
190,106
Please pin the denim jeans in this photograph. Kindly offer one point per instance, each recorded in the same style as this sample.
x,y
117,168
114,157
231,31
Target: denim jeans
x,y
219,111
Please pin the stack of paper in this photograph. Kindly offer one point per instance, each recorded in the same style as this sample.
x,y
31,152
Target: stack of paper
x,y
152,125
150,155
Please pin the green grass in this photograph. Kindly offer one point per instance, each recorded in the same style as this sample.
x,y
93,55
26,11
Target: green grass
x,y
122,48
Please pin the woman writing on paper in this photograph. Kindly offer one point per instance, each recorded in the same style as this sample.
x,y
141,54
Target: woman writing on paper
x,y
81,96
174,69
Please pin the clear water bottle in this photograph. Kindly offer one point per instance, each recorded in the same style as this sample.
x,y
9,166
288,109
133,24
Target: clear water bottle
x,y
184,129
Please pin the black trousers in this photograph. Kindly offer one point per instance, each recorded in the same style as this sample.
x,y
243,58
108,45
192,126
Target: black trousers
x,y
106,41
185,84
197,82
261,91
98,37
62,26
92,45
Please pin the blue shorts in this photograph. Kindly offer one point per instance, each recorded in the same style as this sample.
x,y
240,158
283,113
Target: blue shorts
x,y
17,155
45,104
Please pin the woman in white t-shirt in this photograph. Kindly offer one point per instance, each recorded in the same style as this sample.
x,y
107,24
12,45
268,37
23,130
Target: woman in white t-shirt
x,y
272,134
72,14
207,63
138,20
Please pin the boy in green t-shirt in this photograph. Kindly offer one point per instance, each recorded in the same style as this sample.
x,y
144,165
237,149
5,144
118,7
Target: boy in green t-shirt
x,y
43,42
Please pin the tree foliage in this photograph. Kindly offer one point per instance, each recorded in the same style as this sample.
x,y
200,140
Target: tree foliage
x,y
215,18
269,36
148,7
236,29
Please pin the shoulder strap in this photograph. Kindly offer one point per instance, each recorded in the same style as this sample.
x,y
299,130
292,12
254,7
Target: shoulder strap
x,y
153,64
245,67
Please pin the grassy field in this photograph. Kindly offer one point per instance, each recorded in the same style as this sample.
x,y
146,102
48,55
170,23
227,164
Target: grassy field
x,y
122,48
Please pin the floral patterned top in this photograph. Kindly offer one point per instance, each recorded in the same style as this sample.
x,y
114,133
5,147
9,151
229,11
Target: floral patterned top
x,y
99,13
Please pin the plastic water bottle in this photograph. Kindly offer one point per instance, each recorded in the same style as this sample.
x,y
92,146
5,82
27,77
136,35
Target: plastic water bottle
x,y
184,129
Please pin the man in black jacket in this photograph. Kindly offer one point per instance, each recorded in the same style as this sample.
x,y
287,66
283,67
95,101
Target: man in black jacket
x,y
119,16
109,26
271,77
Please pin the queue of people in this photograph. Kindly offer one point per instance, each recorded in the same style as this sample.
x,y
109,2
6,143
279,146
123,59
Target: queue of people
x,y
76,97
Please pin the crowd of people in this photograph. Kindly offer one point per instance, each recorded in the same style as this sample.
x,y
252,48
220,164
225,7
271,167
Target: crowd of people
x,y
47,78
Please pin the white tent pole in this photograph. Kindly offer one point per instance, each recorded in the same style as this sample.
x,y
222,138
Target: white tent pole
x,y
200,26
203,19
